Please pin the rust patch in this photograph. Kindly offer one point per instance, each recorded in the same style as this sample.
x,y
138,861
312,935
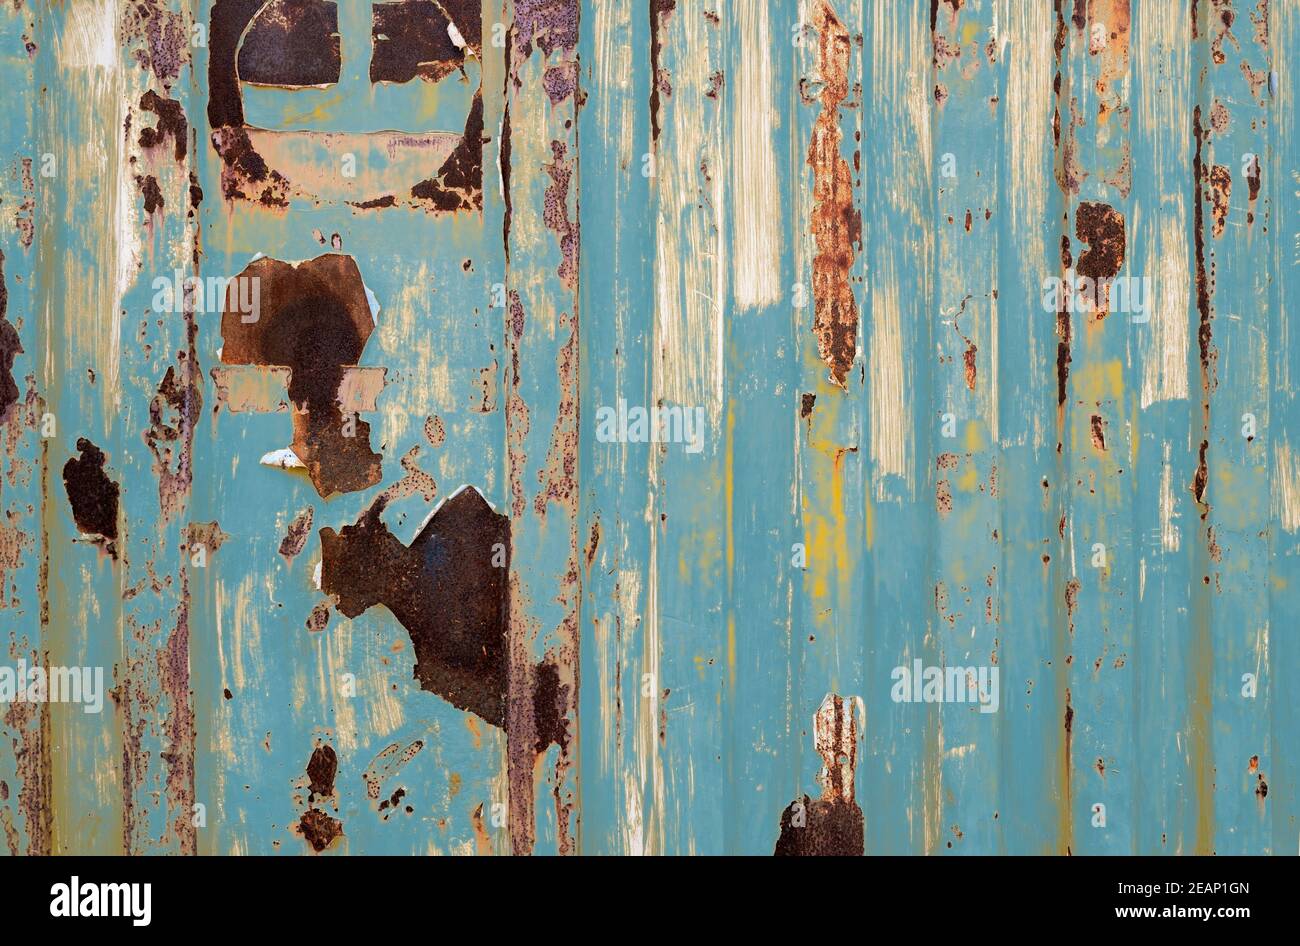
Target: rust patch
x,y
660,79
295,539
386,765
833,824
1221,17
943,498
319,829
449,590
1098,427
10,347
293,43
458,185
1220,197
245,173
559,474
1208,355
172,414
25,215
410,40
313,318
1072,589
319,618
1101,226
806,403
28,724
555,213
170,124
204,535
434,431
322,767
836,224
151,192
92,494
317,826
1253,176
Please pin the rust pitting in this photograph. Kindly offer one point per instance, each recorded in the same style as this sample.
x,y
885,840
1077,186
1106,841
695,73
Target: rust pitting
x,y
156,36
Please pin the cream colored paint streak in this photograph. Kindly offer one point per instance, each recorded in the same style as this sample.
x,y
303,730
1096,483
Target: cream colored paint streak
x,y
404,324
1164,361
899,68
889,399
1170,536
756,200
1286,486
690,270
101,198
1162,53
1025,53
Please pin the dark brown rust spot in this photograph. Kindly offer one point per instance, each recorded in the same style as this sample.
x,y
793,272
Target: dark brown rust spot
x,y
171,124
10,347
830,829
150,191
91,493
319,829
321,771
1098,432
293,43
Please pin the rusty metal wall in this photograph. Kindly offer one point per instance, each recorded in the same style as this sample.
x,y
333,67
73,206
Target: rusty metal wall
x,y
542,426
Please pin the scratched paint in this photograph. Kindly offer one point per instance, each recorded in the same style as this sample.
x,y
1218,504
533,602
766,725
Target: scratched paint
x,y
966,321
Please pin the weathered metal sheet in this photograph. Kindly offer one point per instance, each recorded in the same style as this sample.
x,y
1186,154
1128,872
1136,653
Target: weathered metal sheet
x,y
545,426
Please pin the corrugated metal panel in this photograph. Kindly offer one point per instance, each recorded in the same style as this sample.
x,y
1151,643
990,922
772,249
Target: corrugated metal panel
x,y
927,350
